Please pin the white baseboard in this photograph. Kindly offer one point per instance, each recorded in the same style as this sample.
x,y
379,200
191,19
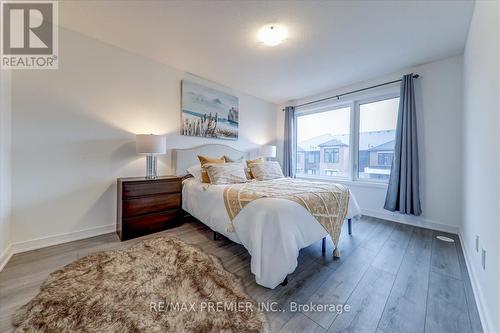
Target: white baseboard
x,y
5,257
39,243
476,288
411,220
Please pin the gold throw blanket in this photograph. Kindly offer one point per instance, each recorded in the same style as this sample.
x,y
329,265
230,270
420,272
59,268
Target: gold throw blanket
x,y
327,202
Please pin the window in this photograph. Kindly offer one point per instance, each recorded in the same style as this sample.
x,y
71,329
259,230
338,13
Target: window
x,y
326,148
377,134
385,159
331,155
323,138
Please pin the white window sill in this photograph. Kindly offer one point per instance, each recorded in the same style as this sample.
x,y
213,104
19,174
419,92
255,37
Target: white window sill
x,y
347,182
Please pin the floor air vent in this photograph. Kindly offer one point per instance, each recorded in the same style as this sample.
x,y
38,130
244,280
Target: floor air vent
x,y
445,239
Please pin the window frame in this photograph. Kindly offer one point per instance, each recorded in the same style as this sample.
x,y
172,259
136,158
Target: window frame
x,y
334,152
384,155
354,103
326,107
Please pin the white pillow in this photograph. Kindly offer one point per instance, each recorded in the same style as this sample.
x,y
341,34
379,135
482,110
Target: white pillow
x,y
226,173
266,170
195,171
239,160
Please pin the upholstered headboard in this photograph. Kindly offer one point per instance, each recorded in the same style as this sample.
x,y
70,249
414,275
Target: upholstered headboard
x,y
185,158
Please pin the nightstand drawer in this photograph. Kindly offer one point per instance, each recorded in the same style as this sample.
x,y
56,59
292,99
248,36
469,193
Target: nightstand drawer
x,y
146,224
152,204
147,205
149,188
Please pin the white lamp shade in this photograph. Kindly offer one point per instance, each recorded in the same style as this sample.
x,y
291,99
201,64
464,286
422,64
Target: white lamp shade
x,y
268,151
150,144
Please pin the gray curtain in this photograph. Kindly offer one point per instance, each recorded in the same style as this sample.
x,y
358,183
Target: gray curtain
x,y
288,143
403,192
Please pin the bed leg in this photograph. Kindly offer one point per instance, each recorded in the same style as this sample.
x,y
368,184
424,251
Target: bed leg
x,y
323,245
285,282
215,236
349,226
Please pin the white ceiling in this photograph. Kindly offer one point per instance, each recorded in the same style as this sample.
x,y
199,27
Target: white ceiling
x,y
330,44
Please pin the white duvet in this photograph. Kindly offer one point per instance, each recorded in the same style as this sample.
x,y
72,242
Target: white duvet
x,y
272,230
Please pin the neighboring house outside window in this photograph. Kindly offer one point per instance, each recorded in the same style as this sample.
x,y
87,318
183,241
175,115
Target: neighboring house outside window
x,y
335,160
308,156
324,138
333,156
311,165
380,160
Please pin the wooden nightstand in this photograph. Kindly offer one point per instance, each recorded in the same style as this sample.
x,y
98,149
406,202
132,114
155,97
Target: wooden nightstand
x,y
148,205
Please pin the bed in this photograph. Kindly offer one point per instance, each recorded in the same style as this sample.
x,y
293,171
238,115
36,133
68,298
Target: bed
x,y
273,230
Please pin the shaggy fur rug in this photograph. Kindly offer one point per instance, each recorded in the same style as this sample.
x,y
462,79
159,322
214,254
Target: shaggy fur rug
x,y
158,285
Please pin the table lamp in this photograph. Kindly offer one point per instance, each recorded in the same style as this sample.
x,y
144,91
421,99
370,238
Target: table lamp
x,y
150,145
268,151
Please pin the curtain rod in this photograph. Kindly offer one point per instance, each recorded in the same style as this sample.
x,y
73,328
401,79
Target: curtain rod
x,y
350,92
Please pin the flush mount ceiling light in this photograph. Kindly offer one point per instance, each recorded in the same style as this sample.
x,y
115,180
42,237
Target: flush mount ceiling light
x,y
272,34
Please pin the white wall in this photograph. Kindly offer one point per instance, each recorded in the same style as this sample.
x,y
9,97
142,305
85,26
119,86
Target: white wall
x,y
439,103
481,200
73,135
5,176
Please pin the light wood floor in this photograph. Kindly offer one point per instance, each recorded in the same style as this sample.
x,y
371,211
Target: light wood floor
x,y
395,277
